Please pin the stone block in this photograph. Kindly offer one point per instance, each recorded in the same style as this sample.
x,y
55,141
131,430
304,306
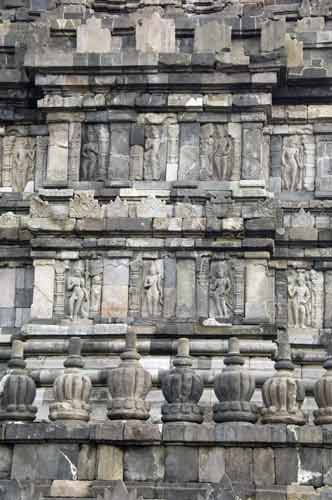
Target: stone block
x,y
155,34
6,456
144,463
87,462
259,306
75,489
264,469
211,464
286,463
115,288
57,161
181,464
7,280
91,37
141,431
239,464
109,463
45,461
213,36
43,291
297,492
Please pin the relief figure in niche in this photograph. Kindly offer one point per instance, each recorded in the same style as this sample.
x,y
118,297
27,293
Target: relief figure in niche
x,y
223,154
216,152
299,295
220,292
24,154
78,301
152,153
153,299
292,163
90,151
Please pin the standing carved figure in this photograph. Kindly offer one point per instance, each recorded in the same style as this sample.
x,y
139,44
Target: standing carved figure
x,y
222,153
24,154
152,153
90,151
300,296
292,164
219,291
79,296
153,291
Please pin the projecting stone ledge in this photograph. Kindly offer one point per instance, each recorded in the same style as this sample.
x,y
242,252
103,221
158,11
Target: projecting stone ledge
x,y
143,433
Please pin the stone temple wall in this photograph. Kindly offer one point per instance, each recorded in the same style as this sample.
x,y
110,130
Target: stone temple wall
x,y
166,194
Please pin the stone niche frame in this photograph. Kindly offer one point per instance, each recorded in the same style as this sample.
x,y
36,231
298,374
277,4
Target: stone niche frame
x,y
23,156
292,156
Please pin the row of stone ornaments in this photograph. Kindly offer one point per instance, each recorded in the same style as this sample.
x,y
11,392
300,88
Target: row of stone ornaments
x,y
182,387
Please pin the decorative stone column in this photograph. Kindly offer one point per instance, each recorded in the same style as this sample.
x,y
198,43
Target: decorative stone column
x,y
283,395
323,392
18,389
72,388
129,385
182,388
234,387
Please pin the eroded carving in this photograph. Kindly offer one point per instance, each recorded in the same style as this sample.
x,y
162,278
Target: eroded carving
x,y
292,160
23,162
220,291
305,299
216,152
78,298
152,286
152,153
90,152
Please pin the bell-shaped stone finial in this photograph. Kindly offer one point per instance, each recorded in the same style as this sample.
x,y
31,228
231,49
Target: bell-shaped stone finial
x,y
283,395
182,389
129,385
18,388
72,388
323,392
234,388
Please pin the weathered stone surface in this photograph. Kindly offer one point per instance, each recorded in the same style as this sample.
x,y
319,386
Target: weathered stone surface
x,y
91,37
109,463
144,464
181,464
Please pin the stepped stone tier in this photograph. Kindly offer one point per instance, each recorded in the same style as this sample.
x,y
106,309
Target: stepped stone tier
x,y
166,249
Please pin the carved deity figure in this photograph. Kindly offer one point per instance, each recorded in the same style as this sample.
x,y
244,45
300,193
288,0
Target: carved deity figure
x,y
292,160
90,151
222,153
216,152
78,301
96,286
153,299
152,153
220,292
299,294
23,161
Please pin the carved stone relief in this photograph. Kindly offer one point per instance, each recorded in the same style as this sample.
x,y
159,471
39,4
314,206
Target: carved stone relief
x,y
305,298
19,158
152,302
216,152
152,153
79,288
90,153
220,292
292,159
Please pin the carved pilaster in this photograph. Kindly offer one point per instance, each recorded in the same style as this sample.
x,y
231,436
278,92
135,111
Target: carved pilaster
x,y
8,144
172,152
41,161
74,154
60,288
238,288
203,271
104,141
135,286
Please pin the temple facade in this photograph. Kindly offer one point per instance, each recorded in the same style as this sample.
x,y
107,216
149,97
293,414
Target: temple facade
x,y
166,249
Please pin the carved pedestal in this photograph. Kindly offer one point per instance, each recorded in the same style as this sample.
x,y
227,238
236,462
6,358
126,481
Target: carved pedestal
x,y
19,389
72,389
283,395
234,388
323,393
129,385
182,388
